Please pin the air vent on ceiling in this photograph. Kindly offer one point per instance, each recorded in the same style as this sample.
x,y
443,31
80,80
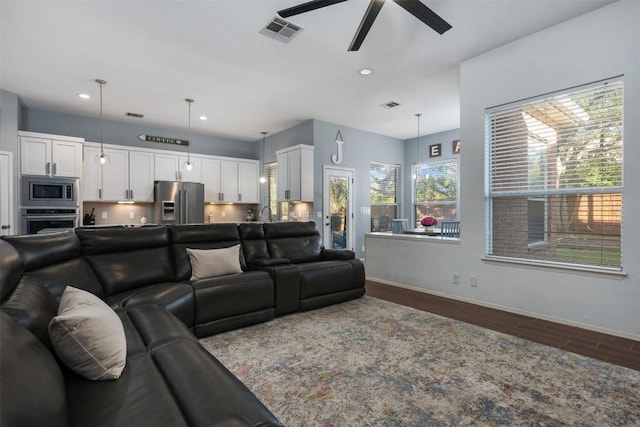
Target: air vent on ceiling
x,y
390,104
280,29
136,115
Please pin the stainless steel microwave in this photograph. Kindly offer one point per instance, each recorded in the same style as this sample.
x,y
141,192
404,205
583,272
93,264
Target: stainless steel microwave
x,y
42,191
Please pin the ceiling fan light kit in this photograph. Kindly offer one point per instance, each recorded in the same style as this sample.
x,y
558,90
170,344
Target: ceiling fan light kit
x,y
414,7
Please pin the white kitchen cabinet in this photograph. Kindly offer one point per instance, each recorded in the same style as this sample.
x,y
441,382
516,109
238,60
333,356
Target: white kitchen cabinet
x,y
295,173
50,155
126,176
172,167
248,185
220,178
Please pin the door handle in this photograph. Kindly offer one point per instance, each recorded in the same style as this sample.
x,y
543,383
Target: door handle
x,y
100,193
48,168
131,194
239,197
5,227
55,168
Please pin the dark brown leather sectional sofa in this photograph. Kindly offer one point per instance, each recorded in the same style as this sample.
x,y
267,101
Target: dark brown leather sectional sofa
x,y
144,274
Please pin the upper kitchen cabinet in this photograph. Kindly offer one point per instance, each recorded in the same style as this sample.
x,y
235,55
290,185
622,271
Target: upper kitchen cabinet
x,y
248,184
172,167
126,176
50,155
220,178
295,174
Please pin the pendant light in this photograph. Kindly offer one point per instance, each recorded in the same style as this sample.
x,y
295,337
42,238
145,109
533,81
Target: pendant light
x,y
263,178
415,175
188,165
102,158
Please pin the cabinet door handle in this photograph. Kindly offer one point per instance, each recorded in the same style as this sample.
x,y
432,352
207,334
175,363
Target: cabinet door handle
x,y
239,197
55,168
221,197
100,193
131,194
48,168
6,227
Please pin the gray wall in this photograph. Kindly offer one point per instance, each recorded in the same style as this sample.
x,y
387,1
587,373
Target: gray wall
x,y
122,133
416,150
557,58
360,148
9,123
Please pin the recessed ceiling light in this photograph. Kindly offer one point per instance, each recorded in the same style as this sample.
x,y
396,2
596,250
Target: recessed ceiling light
x,y
366,71
84,95
203,117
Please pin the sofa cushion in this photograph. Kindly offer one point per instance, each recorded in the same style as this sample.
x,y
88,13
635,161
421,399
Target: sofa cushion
x,y
88,337
176,297
32,307
200,236
121,257
170,380
10,267
39,250
31,384
214,262
297,241
254,245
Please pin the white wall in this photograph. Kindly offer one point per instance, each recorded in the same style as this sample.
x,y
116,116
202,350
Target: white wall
x,y
601,44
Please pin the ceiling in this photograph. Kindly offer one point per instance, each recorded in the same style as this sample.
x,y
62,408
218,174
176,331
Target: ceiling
x,y
154,54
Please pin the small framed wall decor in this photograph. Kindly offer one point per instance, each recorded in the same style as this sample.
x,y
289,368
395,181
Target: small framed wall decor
x,y
435,150
455,146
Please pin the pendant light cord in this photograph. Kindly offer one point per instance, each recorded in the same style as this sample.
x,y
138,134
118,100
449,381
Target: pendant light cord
x,y
189,101
419,148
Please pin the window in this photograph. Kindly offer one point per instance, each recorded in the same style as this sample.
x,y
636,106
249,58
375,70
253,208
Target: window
x,y
554,177
383,185
271,173
436,190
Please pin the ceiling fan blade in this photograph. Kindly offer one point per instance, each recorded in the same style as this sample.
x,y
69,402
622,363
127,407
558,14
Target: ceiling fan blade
x,y
365,25
307,7
426,15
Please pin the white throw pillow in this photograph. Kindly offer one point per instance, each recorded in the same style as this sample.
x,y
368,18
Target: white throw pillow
x,y
214,262
88,336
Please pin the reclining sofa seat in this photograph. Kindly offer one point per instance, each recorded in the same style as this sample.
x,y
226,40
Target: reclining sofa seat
x,y
169,379
327,276
134,267
225,302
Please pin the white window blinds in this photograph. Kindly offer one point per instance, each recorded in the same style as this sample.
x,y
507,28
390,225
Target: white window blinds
x,y
384,195
554,177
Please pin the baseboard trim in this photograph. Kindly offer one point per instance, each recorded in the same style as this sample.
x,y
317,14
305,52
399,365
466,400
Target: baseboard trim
x,y
509,309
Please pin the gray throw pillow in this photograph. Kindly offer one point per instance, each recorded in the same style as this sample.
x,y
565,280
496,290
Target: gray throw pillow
x,y
88,336
214,262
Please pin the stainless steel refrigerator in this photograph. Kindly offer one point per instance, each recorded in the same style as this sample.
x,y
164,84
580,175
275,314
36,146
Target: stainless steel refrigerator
x,y
178,202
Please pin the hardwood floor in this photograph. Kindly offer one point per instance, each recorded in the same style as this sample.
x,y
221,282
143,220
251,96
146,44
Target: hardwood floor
x,y
620,351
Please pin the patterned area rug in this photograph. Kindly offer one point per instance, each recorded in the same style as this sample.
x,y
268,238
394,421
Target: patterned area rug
x,y
374,363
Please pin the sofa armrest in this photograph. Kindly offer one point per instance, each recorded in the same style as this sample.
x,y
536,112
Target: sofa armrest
x,y
337,254
268,262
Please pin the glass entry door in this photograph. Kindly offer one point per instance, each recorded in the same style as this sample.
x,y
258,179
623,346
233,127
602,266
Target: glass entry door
x,y
338,208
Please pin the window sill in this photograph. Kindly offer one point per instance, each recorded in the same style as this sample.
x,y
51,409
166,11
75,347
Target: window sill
x,y
412,237
558,267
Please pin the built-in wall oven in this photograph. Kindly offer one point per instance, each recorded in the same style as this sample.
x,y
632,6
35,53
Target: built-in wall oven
x,y
47,220
48,204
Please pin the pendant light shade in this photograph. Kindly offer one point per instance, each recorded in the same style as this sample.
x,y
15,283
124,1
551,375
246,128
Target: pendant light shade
x,y
188,165
263,178
102,158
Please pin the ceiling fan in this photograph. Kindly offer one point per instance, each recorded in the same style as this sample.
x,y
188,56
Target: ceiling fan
x,y
414,7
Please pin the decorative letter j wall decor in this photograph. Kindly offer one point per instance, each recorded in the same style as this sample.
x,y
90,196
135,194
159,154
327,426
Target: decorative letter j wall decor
x,y
337,158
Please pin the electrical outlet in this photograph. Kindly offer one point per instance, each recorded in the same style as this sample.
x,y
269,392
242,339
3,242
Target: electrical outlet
x,y
455,279
473,281
132,215
318,214
223,214
362,248
103,215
